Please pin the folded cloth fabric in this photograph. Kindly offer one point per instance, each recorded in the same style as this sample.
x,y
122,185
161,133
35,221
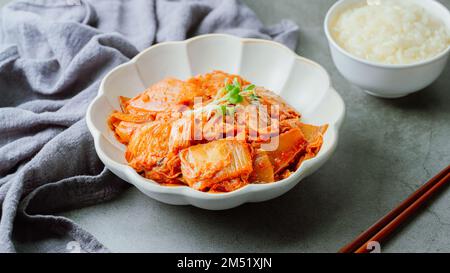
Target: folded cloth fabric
x,y
53,54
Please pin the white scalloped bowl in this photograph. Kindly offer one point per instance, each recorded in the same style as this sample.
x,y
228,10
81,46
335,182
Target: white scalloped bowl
x,y
303,83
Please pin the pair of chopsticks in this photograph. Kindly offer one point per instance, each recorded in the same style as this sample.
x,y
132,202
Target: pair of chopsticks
x,y
389,223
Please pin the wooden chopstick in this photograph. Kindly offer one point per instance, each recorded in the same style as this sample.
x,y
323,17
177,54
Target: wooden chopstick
x,y
402,217
392,220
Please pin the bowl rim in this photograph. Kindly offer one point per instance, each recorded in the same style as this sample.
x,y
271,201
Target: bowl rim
x,y
332,41
134,178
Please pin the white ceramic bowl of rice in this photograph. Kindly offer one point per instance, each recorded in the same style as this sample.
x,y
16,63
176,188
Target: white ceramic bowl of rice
x,y
389,48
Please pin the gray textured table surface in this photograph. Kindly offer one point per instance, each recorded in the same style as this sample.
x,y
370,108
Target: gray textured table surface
x,y
388,148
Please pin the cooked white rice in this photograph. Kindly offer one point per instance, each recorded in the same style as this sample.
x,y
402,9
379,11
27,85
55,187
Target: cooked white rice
x,y
390,32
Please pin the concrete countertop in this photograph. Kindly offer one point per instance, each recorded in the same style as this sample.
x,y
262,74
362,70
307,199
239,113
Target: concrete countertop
x,y
387,149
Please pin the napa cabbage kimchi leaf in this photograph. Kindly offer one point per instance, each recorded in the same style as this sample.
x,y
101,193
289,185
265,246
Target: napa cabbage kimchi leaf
x,y
262,168
204,165
290,144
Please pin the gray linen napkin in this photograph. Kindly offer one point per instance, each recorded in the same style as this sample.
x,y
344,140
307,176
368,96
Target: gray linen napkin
x,y
53,55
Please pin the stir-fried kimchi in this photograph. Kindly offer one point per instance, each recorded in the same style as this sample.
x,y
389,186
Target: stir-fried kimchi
x,y
215,133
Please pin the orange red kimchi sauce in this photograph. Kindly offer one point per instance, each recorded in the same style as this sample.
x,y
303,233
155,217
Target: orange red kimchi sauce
x,y
215,133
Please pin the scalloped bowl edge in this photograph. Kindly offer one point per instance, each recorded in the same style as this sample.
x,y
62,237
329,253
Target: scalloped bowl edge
x,y
183,195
